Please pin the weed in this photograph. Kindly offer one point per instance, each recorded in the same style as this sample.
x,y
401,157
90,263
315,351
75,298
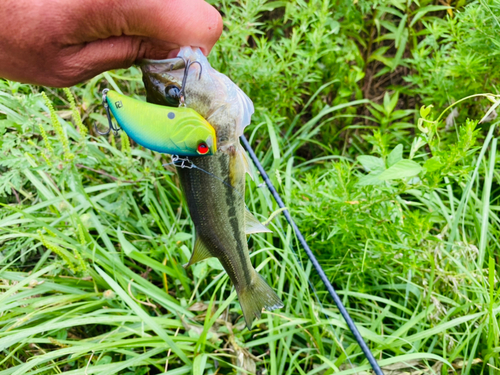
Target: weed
x,y
399,203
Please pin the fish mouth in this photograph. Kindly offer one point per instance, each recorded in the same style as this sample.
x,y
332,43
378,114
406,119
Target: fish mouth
x,y
161,75
162,66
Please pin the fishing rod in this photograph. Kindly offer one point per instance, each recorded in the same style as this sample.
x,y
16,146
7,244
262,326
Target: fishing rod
x,y
336,299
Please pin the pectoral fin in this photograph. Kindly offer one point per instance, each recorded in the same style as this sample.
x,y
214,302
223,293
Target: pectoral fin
x,y
245,161
200,252
252,225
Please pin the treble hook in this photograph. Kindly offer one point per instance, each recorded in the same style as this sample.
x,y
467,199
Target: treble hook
x,y
182,93
112,127
187,64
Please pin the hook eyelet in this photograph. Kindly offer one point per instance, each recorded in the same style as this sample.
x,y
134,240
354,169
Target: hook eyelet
x,y
112,127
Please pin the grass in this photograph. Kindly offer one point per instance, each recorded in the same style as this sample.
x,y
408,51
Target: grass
x,y
398,200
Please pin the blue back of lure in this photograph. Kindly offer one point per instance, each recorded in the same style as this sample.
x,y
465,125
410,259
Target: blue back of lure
x,y
177,131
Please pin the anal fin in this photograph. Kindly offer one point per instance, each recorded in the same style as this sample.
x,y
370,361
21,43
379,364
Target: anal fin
x,y
252,225
200,252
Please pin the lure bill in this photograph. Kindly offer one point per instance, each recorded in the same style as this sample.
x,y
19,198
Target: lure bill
x,y
176,131
220,178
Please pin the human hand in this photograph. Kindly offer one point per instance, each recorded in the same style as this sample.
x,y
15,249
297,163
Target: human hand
x,y
62,42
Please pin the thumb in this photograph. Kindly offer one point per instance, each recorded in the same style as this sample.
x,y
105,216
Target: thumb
x,y
179,22
182,22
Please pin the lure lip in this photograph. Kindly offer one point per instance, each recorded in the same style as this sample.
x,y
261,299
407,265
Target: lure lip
x,y
211,141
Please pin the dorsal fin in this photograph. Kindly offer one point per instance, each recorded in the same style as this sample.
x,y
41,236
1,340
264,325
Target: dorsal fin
x,y
200,252
252,225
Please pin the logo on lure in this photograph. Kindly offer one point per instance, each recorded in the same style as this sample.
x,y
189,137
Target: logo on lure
x,y
177,131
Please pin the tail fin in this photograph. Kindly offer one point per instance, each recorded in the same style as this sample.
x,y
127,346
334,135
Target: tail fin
x,y
256,296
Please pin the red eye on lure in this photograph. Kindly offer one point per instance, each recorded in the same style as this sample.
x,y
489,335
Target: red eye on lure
x,y
203,148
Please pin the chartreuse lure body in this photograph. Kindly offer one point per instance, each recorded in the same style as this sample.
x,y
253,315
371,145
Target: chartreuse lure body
x,y
177,131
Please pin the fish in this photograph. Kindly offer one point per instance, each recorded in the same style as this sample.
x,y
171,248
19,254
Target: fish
x,y
179,131
214,186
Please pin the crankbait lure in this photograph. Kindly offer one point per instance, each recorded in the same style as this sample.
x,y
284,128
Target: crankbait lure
x,y
177,131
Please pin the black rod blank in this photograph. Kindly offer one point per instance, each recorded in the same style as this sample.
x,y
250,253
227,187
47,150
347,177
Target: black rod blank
x,y
350,323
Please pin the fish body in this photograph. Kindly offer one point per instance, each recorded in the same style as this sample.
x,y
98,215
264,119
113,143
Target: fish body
x,y
221,227
179,131
215,186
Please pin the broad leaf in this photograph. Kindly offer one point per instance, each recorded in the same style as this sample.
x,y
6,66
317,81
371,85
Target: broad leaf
x,y
395,156
403,168
371,163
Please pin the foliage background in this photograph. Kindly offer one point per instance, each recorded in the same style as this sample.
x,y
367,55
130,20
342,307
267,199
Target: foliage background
x,y
399,203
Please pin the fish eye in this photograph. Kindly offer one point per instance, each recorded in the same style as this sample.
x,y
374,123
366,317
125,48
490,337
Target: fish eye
x,y
172,95
173,91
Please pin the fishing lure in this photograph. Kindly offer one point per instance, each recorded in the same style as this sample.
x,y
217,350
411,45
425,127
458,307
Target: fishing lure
x,y
177,131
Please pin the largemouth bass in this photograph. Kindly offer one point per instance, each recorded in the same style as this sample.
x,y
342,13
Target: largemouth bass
x,y
221,226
